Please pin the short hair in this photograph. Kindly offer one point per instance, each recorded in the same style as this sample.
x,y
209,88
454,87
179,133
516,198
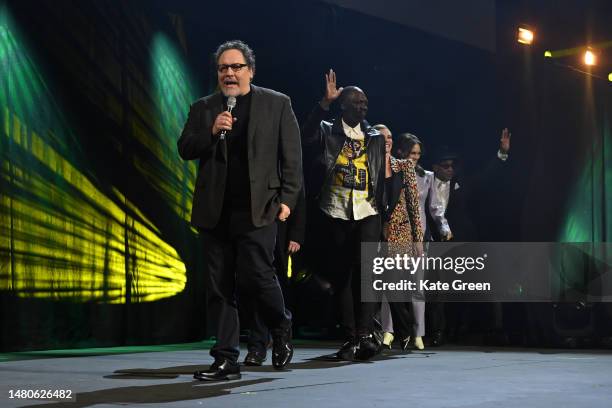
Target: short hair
x,y
348,90
247,52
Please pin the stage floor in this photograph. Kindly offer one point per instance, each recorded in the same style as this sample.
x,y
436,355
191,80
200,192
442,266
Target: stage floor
x,y
442,377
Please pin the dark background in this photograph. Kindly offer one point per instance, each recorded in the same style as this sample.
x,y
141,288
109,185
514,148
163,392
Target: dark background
x,y
95,56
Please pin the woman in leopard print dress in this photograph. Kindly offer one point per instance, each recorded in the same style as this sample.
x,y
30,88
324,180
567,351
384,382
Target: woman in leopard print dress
x,y
403,233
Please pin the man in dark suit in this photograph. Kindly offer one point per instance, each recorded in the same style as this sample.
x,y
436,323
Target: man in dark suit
x,y
450,213
289,241
249,175
450,209
453,222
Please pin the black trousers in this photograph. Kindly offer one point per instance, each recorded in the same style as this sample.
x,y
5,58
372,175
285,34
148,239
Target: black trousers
x,y
238,261
259,335
399,304
345,238
402,316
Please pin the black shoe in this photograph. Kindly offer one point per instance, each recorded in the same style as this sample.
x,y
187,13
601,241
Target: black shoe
x,y
366,347
255,358
378,336
219,370
405,344
347,350
282,349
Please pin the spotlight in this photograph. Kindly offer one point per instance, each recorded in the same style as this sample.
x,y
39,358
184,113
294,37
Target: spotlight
x,y
610,77
589,57
547,54
525,36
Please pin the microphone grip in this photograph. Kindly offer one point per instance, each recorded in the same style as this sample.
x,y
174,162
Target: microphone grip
x,y
224,131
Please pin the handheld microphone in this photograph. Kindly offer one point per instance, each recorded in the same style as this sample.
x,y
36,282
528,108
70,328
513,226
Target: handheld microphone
x,y
231,104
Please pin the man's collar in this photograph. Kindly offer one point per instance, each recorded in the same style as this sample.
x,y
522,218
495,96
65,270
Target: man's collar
x,y
356,128
364,126
441,181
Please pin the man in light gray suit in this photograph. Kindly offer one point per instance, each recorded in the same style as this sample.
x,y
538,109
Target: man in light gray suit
x,y
250,174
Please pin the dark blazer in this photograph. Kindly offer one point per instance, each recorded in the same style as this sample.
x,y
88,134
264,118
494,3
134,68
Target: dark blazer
x,y
466,195
457,213
292,230
295,226
274,155
392,193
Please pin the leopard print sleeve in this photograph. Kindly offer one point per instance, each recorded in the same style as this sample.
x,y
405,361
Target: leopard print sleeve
x,y
398,165
412,201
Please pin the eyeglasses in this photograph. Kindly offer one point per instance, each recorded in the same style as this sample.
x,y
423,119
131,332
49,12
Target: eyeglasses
x,y
235,67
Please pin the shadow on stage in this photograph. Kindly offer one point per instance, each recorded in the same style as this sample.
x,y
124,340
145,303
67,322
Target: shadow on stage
x,y
195,390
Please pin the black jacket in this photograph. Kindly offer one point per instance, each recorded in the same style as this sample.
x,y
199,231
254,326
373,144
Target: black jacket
x,y
295,226
292,230
393,188
323,140
466,200
274,155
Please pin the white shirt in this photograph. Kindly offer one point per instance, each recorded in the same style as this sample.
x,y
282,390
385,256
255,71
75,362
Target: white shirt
x,y
353,132
439,202
346,203
425,187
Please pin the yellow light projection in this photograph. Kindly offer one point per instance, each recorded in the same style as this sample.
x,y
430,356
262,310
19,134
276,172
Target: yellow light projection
x,y
69,240
64,234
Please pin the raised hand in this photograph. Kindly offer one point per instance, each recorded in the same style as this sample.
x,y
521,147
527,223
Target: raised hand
x,y
331,91
504,141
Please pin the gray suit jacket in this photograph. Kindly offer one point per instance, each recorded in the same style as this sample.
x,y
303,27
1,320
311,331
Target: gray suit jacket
x,y
274,155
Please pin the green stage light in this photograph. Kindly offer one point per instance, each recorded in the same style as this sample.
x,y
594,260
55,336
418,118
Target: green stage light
x,y
62,234
587,212
174,92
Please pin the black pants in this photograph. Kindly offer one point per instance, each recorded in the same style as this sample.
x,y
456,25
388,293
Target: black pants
x,y
259,335
345,238
402,316
399,303
238,260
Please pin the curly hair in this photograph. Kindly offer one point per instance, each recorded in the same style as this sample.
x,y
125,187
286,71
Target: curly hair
x,y
247,52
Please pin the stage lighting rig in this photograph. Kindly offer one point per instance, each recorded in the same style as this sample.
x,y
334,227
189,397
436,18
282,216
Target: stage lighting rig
x,y
525,35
